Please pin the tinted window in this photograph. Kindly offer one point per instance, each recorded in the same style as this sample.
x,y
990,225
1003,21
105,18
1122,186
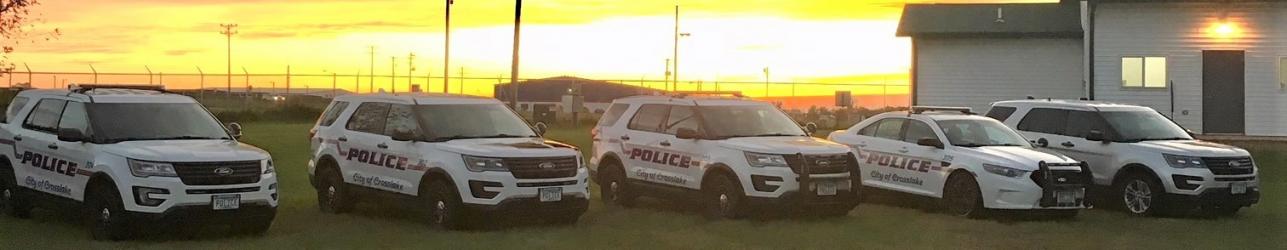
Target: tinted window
x,y
890,129
369,117
332,113
45,116
1080,123
649,117
401,118
14,107
442,122
917,130
681,117
115,122
1044,120
1143,126
870,129
748,121
614,113
74,118
1001,113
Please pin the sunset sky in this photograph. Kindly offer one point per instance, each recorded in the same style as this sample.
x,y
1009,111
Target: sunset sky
x,y
826,41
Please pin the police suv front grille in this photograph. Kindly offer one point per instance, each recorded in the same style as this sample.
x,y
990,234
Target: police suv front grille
x,y
1229,165
821,164
207,173
530,168
1060,177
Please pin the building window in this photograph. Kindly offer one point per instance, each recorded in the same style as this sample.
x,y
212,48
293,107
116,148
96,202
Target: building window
x,y
1144,72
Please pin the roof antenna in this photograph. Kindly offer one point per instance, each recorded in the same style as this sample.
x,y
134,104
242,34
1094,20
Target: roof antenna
x,y
1000,15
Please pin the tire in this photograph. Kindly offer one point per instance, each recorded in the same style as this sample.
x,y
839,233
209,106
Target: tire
x,y
1138,194
961,197
333,196
444,210
106,215
723,198
13,202
613,189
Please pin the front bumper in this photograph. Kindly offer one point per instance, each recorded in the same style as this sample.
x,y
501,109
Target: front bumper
x,y
1213,197
181,195
500,188
531,208
784,192
1035,191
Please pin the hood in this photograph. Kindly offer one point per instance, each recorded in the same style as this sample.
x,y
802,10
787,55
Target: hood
x,y
1192,148
784,145
188,151
1014,157
509,147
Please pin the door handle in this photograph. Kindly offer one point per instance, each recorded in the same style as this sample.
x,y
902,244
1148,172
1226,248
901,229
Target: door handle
x,y
382,146
665,144
903,150
343,139
625,138
1067,144
17,138
53,146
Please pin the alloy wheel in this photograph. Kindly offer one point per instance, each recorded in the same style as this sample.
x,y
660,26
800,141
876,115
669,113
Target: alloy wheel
x,y
1137,196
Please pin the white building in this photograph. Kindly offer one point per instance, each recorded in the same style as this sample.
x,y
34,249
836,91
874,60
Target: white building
x,y
1216,67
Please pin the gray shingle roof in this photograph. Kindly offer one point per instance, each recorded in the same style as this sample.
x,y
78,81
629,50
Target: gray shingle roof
x,y
980,20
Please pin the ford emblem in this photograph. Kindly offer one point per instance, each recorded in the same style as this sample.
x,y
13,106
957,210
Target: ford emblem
x,y
223,171
546,165
1235,164
823,163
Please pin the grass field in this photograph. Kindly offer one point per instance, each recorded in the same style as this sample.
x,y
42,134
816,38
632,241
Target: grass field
x,y
659,225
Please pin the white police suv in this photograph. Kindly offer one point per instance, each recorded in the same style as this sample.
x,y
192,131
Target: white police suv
x,y
1147,163
135,159
458,157
731,155
973,163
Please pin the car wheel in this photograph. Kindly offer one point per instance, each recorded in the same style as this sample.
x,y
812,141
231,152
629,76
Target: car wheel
x,y
613,188
1138,194
724,198
106,214
12,201
961,197
333,194
444,208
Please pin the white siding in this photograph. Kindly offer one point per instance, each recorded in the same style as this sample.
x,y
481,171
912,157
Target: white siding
x,y
974,72
1179,32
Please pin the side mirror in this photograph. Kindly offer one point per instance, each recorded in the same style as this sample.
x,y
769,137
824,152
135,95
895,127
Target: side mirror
x,y
71,135
930,142
235,130
811,128
1190,132
687,133
403,135
541,128
1095,135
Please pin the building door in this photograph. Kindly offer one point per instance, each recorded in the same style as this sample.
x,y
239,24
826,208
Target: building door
x,y
1223,92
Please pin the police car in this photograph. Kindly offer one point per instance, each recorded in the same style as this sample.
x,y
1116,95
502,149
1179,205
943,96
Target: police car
x,y
973,163
1148,164
458,157
135,158
732,155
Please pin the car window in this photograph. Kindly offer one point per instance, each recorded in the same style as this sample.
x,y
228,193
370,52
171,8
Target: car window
x,y
917,130
369,117
614,113
14,106
649,117
332,113
1044,120
1080,123
891,129
1001,112
45,116
401,118
681,117
74,117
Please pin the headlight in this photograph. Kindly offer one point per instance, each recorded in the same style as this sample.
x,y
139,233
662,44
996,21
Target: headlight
x,y
268,167
765,160
1179,161
580,160
1004,171
147,168
480,164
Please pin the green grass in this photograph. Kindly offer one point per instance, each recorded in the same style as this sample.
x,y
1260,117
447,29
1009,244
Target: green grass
x,y
659,225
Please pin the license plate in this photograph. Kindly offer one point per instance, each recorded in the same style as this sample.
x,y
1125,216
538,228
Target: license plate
x,y
1238,187
1066,197
826,188
226,202
551,194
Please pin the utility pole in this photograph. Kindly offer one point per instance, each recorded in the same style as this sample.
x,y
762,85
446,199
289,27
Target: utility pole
x,y
676,49
462,81
371,83
228,32
446,52
411,67
287,82
393,74
513,64
766,82
666,84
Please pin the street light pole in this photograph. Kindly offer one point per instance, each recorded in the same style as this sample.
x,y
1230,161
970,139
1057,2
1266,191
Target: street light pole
x,y
513,65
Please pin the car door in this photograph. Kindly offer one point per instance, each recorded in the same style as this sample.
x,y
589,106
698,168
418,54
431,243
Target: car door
x,y
38,147
920,160
683,156
366,158
641,141
1073,143
606,134
881,154
77,154
402,154
1043,127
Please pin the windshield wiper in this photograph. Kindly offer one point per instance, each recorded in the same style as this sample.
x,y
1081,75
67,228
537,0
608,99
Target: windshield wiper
x,y
764,135
1166,139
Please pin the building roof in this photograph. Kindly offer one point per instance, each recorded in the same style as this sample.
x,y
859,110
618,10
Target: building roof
x,y
991,20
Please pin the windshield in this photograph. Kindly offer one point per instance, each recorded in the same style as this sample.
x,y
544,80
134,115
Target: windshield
x,y
464,121
980,133
116,122
748,121
1144,126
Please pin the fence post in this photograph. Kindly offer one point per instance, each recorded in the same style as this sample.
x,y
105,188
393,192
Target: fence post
x,y
30,84
245,101
334,85
201,91
91,67
149,74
